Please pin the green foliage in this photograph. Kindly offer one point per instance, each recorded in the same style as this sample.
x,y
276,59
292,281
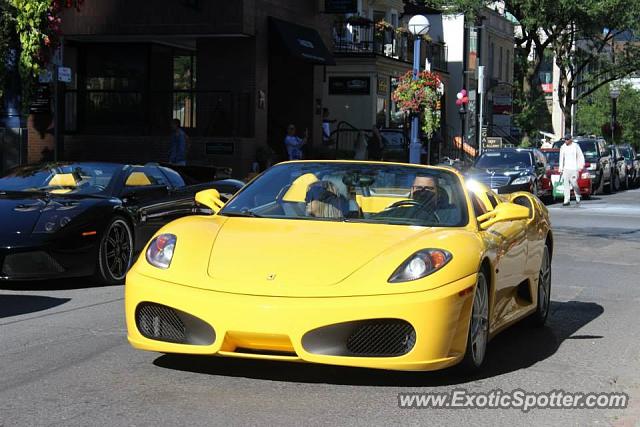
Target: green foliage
x,y
420,95
594,111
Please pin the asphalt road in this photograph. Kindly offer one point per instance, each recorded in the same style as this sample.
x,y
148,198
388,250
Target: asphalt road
x,y
64,358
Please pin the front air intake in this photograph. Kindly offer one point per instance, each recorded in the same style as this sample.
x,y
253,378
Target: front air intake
x,y
362,338
161,323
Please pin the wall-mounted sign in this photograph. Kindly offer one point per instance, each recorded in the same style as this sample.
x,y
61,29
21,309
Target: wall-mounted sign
x,y
41,100
64,74
493,142
225,148
349,86
383,85
341,6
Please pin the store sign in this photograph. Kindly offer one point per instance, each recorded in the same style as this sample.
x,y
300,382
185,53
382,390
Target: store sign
x,y
349,86
225,148
493,142
383,85
341,6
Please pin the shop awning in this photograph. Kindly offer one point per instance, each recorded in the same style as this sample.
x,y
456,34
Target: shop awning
x,y
301,42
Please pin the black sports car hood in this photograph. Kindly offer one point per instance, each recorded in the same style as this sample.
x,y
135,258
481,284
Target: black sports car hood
x,y
24,214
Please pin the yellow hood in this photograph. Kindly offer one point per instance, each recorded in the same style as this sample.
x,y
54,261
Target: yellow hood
x,y
292,257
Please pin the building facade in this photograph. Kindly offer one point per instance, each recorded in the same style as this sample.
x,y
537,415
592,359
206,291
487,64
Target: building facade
x,y
234,73
488,42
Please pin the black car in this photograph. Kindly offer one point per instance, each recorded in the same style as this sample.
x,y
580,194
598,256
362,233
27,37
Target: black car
x,y
598,162
395,145
507,170
82,219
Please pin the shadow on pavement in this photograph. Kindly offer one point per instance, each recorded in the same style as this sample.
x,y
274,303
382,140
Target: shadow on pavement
x,y
15,305
49,285
518,347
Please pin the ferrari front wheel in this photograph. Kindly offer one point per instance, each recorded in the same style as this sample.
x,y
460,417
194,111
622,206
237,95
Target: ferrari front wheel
x,y
115,252
478,335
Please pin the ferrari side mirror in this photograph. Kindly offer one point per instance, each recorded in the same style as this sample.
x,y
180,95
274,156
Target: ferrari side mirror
x,y
211,199
505,211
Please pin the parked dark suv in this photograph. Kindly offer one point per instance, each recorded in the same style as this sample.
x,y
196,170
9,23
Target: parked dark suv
x,y
597,161
506,170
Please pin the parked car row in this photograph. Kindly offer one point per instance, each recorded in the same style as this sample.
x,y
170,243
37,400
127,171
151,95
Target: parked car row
x,y
607,169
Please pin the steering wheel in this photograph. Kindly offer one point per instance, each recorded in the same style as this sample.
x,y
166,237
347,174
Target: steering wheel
x,y
409,202
399,203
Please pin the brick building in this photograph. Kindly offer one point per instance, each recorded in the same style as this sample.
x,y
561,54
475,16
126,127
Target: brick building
x,y
234,72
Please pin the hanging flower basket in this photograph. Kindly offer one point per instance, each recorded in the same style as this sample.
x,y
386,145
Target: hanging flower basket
x,y
420,96
382,27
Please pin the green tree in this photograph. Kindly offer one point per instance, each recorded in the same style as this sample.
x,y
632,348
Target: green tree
x,y
580,35
32,29
594,112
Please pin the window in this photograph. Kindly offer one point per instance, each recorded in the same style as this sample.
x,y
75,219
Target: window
x,y
492,56
184,82
113,88
507,67
500,64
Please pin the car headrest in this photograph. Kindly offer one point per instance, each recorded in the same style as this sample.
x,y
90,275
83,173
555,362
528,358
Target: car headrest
x,y
298,189
63,180
137,179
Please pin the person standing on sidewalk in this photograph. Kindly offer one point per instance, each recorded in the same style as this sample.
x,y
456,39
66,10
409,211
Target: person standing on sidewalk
x,y
178,147
571,162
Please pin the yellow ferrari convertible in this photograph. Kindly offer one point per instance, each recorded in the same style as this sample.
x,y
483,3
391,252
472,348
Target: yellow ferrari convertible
x,y
367,264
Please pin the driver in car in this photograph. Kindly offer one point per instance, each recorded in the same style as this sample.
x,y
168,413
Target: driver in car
x,y
425,200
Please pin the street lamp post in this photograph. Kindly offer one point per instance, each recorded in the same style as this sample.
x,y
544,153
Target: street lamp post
x,y
614,93
418,26
463,112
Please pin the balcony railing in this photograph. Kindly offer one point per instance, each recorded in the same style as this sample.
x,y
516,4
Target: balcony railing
x,y
367,40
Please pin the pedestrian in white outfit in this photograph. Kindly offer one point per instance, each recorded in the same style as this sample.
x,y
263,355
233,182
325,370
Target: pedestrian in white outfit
x,y
571,162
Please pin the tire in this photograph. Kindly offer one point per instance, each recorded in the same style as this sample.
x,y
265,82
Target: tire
x,y
626,182
609,188
115,253
616,182
539,317
478,335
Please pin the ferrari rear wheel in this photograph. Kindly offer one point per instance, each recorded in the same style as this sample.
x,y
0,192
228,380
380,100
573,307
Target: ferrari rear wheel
x,y
478,335
539,317
115,253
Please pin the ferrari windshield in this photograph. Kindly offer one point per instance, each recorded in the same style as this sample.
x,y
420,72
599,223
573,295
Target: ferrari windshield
x,y
354,192
72,178
504,160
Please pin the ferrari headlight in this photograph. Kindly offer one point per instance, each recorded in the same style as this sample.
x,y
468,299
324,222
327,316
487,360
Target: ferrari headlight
x,y
522,180
160,250
420,265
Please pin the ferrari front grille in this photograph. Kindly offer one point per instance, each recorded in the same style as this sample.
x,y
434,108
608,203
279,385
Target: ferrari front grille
x,y
379,338
362,338
161,323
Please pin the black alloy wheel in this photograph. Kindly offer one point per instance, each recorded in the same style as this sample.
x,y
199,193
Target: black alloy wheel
x,y
115,252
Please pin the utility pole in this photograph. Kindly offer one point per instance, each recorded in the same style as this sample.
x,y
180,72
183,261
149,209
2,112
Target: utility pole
x,y
480,105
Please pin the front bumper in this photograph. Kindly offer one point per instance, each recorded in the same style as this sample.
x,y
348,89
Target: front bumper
x,y
279,328
46,262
